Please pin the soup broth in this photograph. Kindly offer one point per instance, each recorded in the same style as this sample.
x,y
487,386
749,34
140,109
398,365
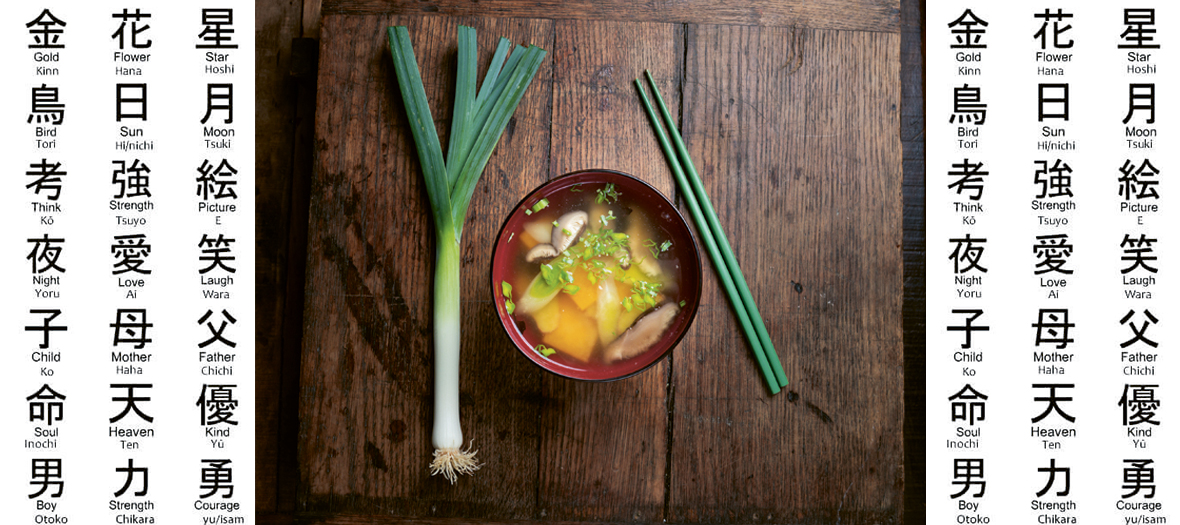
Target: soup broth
x,y
594,277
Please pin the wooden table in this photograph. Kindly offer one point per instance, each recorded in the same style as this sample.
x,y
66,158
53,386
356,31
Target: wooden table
x,y
793,114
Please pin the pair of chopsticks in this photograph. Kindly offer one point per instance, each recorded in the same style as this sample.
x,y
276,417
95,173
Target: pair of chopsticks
x,y
716,243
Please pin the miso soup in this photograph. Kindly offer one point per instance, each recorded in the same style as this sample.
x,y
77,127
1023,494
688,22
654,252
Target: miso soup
x,y
594,277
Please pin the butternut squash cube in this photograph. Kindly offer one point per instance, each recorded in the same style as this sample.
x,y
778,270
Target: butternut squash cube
x,y
575,335
587,292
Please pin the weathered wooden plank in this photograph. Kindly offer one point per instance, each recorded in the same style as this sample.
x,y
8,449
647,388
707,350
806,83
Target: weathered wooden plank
x,y
312,18
913,137
277,23
860,15
603,445
795,136
354,519
366,383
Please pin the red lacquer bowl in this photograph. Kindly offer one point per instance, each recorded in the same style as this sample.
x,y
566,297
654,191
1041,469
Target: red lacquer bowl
x,y
669,222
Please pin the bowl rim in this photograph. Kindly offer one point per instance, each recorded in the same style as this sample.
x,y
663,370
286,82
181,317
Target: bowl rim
x,y
695,252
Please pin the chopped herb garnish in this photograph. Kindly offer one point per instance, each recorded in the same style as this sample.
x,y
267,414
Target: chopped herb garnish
x,y
682,303
506,288
576,188
643,294
607,194
528,212
555,225
540,205
657,249
545,350
610,216
571,289
651,245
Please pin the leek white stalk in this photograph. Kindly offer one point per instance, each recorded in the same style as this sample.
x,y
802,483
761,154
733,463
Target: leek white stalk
x,y
447,436
478,122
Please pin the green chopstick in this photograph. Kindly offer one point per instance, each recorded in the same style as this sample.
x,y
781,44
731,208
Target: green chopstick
x,y
710,244
715,225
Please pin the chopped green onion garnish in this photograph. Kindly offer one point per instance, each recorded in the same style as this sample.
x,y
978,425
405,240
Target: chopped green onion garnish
x,y
506,288
576,188
610,216
682,303
664,247
545,350
571,289
540,205
607,194
509,306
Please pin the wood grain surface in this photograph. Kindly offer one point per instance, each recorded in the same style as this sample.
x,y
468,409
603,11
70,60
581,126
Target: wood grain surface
x,y
857,15
354,397
794,132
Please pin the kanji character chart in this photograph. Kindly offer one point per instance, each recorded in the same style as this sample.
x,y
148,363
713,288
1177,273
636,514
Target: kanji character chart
x,y
1050,248
128,390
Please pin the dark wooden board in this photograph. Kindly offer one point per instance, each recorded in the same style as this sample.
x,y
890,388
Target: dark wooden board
x,y
794,134
275,117
913,140
856,15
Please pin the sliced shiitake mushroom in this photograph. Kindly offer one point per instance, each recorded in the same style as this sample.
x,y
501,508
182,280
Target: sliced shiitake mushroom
x,y
643,334
567,229
541,252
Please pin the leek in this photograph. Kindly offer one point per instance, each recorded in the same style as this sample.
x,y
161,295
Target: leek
x,y
477,123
